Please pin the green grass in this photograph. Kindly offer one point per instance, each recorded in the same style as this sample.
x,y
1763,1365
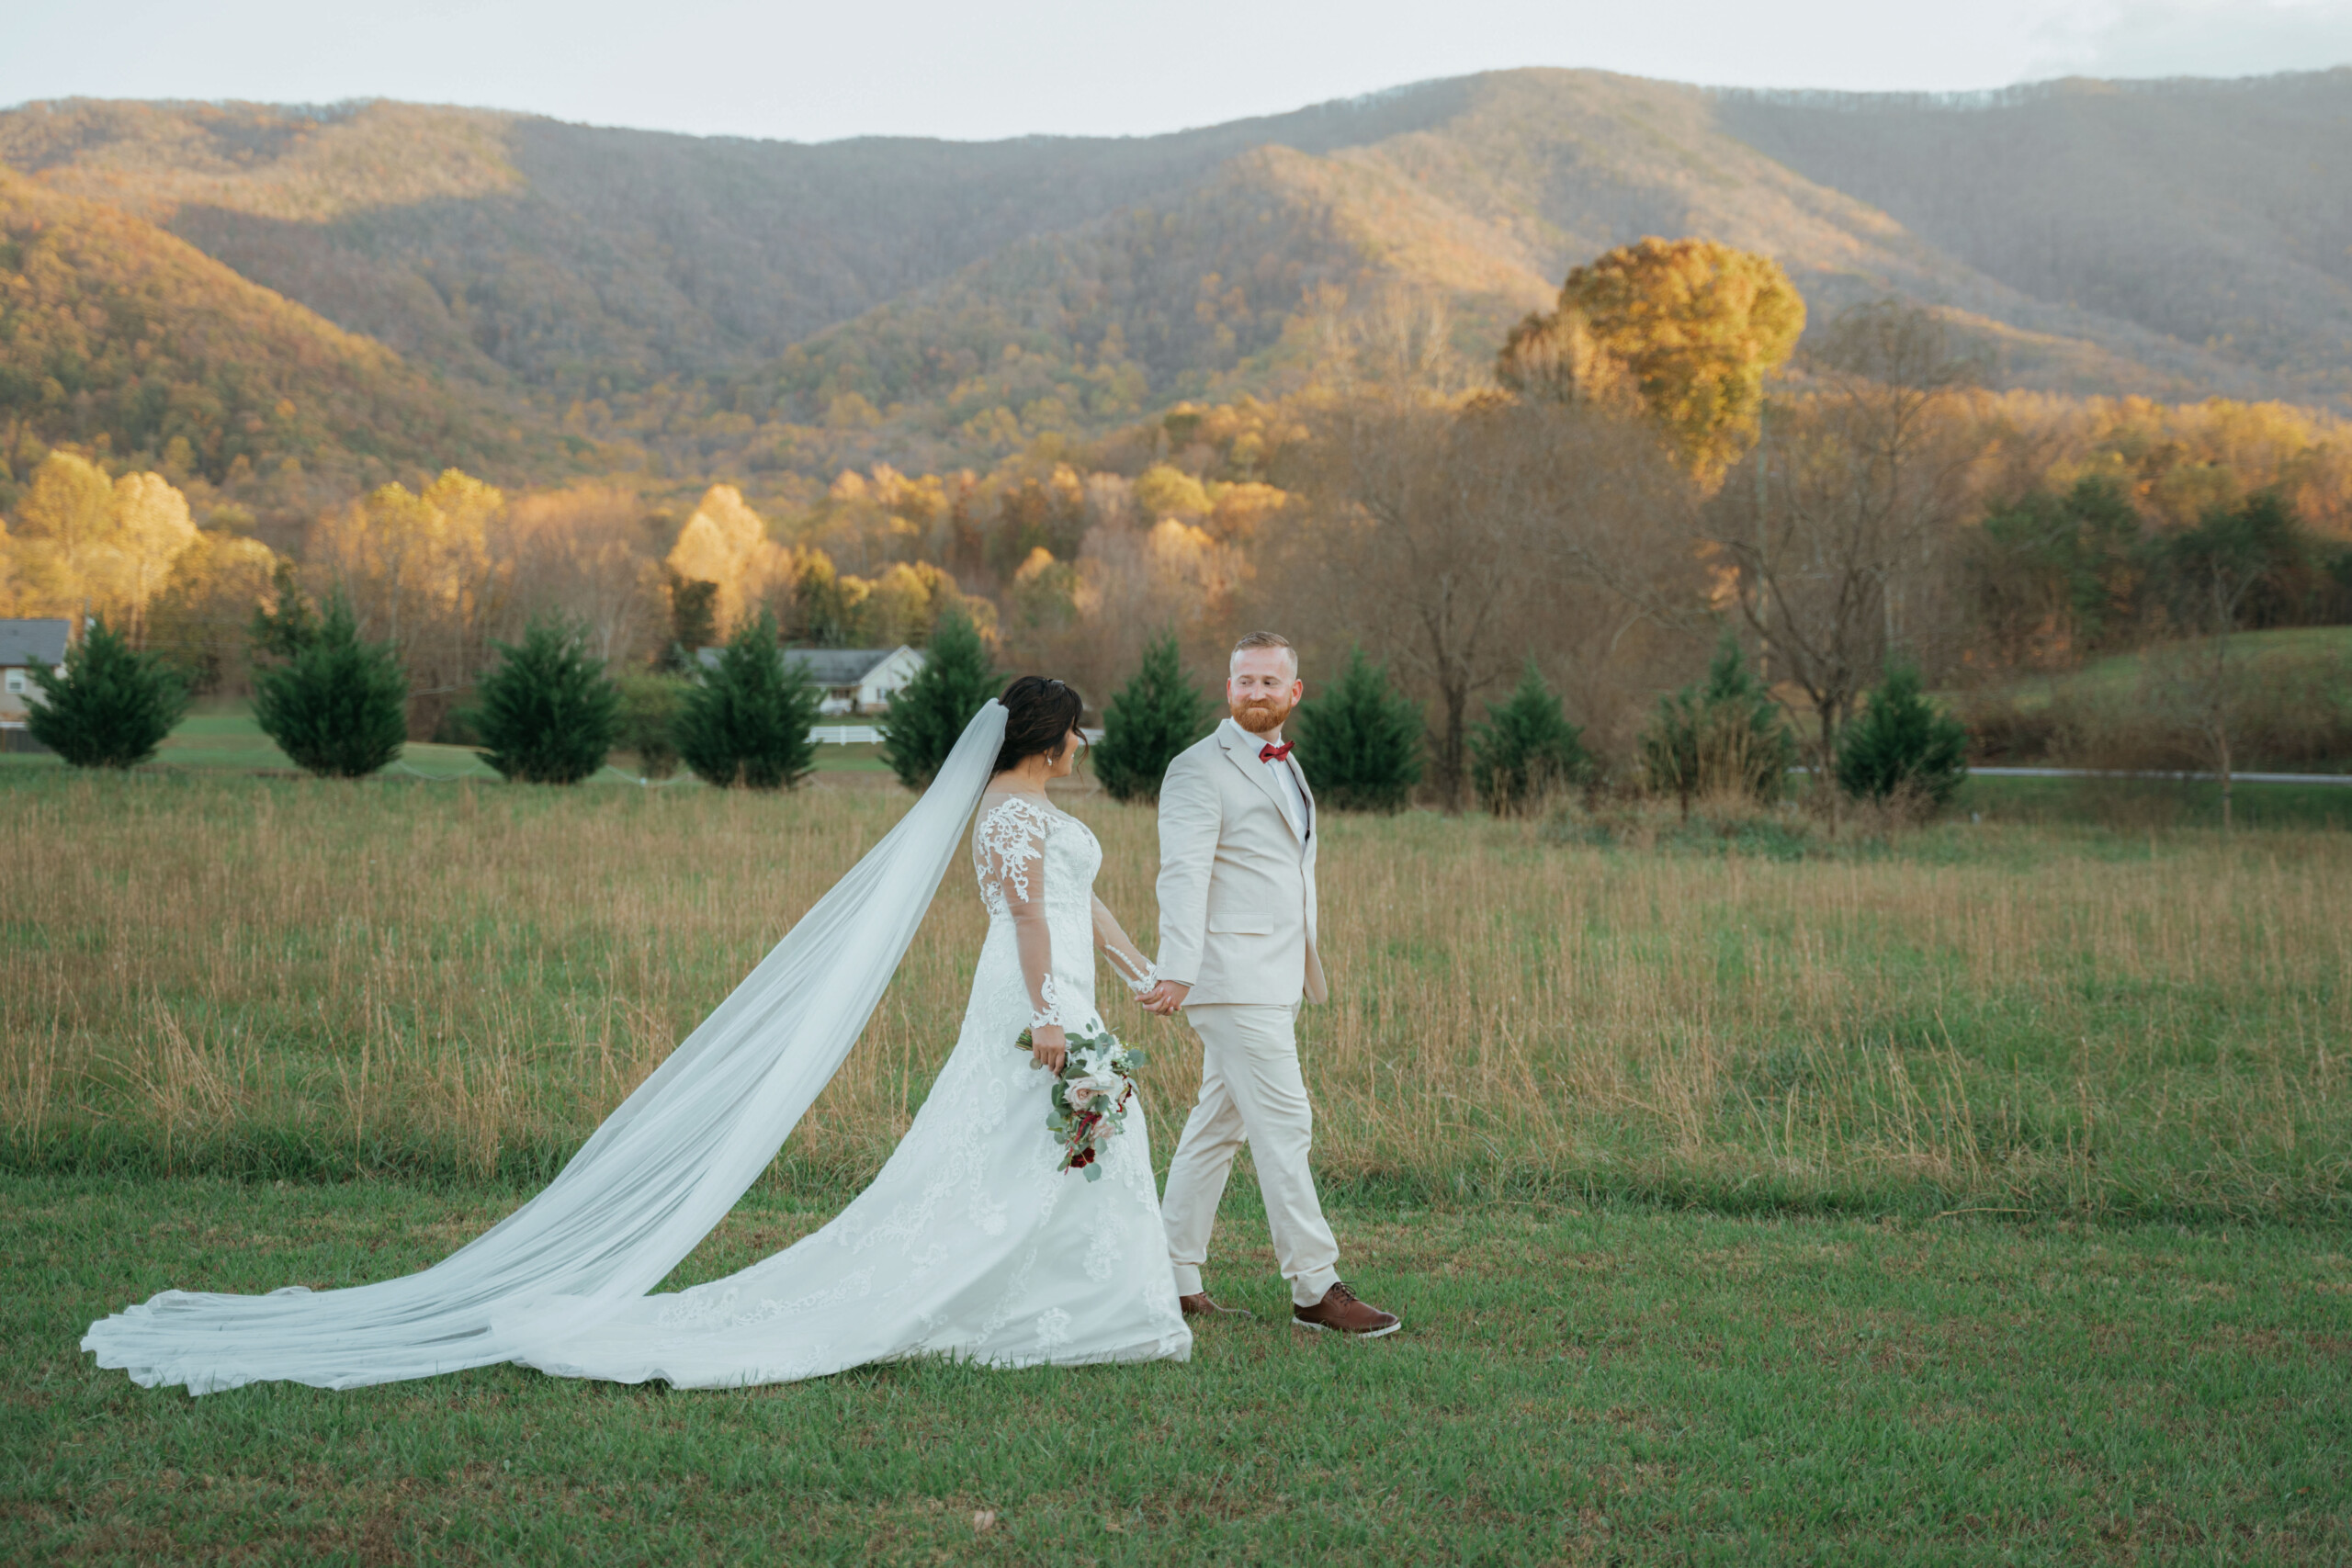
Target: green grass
x,y
1612,1386
2114,678
2153,804
220,736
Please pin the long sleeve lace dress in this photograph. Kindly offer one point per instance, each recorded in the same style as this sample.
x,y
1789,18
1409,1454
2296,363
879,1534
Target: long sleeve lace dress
x,y
969,1243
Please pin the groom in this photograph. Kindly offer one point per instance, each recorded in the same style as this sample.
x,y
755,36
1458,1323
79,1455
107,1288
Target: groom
x,y
1237,949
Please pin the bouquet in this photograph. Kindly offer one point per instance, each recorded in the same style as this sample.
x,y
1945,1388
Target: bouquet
x,y
1090,1097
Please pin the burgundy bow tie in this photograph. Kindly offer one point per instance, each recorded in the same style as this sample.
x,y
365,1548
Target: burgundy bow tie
x,y
1273,753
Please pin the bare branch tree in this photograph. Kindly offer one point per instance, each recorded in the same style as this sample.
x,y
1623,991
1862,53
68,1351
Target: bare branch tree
x,y
1441,530
1841,525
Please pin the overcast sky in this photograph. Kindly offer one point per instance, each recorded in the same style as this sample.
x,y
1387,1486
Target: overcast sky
x,y
989,68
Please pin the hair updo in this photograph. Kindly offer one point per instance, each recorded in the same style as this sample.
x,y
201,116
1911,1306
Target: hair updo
x,y
1039,714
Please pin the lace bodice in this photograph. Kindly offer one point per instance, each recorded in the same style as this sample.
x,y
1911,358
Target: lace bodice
x,y
1035,867
1026,852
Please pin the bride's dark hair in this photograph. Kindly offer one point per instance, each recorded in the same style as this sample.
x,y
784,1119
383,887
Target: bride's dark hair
x,y
1038,713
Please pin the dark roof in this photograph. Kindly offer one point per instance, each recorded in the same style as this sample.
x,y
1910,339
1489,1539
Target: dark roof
x,y
826,667
28,642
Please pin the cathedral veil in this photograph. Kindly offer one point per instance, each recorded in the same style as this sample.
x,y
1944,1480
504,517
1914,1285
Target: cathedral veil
x,y
663,1170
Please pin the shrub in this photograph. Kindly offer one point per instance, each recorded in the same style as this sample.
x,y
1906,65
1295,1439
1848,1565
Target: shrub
x,y
650,704
1360,743
110,707
337,706
1723,736
1526,748
546,711
1902,745
1155,715
746,721
929,714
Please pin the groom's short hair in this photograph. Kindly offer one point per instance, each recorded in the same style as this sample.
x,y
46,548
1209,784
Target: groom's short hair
x,y
1269,640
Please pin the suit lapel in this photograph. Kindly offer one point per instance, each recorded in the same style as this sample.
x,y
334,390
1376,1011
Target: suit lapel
x,y
1245,756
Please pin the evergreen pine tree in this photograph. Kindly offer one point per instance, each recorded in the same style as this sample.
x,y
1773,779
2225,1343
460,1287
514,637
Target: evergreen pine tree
x,y
110,706
1360,740
746,721
649,705
928,715
1155,715
1903,743
1526,748
1725,734
694,623
287,630
547,712
337,706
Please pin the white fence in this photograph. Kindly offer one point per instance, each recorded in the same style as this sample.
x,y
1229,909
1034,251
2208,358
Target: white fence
x,y
866,734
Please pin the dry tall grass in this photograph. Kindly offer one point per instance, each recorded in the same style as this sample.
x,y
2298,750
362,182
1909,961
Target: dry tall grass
x,y
314,979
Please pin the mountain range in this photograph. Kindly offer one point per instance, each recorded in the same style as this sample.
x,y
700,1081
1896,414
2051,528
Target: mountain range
x,y
375,288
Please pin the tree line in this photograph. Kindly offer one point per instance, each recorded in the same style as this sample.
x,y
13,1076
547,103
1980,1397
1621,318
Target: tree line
x,y
1650,462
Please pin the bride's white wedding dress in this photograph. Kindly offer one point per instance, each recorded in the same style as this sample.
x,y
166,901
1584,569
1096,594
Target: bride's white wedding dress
x,y
971,1242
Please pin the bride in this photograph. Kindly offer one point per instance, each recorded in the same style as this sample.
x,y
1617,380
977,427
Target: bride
x,y
971,1242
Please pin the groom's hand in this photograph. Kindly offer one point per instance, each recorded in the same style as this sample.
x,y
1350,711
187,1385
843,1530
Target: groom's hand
x,y
1166,996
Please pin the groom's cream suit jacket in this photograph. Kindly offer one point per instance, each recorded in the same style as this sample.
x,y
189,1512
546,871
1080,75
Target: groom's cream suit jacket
x,y
1237,879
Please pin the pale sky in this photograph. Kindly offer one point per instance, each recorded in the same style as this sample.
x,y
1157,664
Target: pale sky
x,y
976,69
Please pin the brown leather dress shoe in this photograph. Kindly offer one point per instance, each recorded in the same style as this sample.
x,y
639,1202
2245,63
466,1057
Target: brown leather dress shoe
x,y
1342,1313
1202,1305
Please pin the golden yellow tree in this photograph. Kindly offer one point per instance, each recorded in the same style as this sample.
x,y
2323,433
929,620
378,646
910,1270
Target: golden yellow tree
x,y
64,522
726,543
419,571
1690,326
200,618
83,541
152,527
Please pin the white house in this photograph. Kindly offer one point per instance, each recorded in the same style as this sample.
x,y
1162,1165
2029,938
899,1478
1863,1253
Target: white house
x,y
24,644
853,680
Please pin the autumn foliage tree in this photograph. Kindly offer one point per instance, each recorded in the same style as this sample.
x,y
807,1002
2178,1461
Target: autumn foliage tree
x,y
418,570
1689,327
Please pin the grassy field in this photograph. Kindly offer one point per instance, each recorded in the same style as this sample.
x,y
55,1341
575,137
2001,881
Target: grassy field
x,y
2287,696
2126,804
1608,1385
220,736
285,978
1969,1194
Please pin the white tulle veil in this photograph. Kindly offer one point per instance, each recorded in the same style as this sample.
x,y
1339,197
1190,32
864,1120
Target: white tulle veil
x,y
650,1182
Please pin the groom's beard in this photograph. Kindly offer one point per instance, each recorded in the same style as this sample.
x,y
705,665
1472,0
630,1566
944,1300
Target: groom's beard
x,y
1261,716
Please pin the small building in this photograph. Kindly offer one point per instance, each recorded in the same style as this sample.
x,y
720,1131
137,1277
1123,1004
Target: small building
x,y
852,680
24,644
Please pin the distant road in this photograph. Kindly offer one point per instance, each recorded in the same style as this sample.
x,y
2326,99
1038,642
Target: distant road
x,y
2114,774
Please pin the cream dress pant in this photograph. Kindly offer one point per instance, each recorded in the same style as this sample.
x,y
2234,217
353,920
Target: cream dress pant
x,y
1250,1092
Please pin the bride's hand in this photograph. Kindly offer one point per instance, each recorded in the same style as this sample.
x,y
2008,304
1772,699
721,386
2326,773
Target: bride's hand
x,y
1048,1047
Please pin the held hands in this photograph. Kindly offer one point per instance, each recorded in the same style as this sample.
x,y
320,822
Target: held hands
x,y
1165,998
1048,1047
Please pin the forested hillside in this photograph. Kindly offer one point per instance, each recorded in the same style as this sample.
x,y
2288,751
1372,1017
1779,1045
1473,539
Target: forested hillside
x,y
2214,213
772,308
119,337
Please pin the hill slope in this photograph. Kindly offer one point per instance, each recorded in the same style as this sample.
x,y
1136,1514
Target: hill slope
x,y
722,299
114,333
